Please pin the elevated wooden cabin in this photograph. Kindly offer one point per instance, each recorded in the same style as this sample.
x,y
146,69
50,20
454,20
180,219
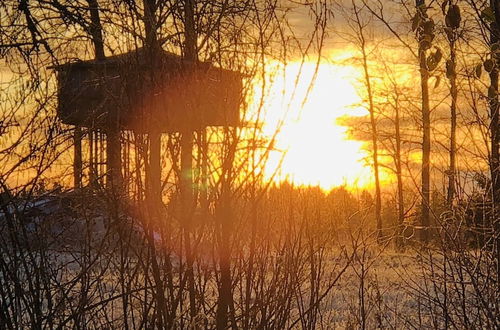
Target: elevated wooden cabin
x,y
167,94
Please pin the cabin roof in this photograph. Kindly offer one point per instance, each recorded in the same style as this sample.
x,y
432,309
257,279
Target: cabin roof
x,y
139,58
138,55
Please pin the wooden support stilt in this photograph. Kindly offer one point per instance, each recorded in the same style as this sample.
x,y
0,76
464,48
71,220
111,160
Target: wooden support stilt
x,y
126,164
186,179
139,165
77,158
203,150
113,156
102,159
92,169
155,168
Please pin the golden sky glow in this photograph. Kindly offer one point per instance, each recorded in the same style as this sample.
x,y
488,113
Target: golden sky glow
x,y
317,150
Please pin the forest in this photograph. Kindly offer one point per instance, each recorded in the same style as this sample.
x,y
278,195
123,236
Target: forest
x,y
249,164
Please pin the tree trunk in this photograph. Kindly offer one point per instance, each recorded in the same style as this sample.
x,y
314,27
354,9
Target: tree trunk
x,y
96,30
373,123
494,109
224,300
154,133
113,143
399,176
453,119
186,190
224,217
426,123
153,170
186,184
495,130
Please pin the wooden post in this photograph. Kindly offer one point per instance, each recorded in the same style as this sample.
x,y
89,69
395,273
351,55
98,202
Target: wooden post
x,y
113,154
77,159
126,164
100,157
203,150
92,169
155,168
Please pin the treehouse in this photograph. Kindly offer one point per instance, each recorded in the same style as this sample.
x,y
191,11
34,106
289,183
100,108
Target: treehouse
x,y
168,94
144,92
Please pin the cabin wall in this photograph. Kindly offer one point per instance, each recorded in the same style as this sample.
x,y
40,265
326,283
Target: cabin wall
x,y
188,99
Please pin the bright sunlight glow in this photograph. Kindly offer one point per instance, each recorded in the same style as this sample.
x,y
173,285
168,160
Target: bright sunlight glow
x,y
316,148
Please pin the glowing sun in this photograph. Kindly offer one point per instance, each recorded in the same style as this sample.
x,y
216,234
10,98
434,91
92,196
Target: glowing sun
x,y
313,147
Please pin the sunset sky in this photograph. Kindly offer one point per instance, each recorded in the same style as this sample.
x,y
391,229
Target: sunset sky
x,y
323,108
